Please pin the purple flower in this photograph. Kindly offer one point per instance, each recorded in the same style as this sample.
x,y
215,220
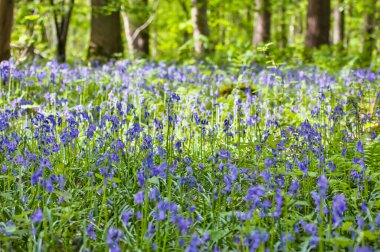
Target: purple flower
x,y
323,184
139,198
266,175
338,207
126,216
38,216
36,177
373,135
269,162
4,169
48,186
90,232
113,238
154,194
254,193
363,249
359,147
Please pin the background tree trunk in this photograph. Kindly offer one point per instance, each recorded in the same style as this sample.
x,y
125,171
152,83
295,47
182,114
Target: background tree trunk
x,y
134,18
200,25
318,23
283,30
262,22
105,37
338,23
369,28
6,21
62,28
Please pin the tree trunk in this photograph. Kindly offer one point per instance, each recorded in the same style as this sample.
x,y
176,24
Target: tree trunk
x,y
262,22
6,21
369,28
62,28
292,29
283,26
135,20
105,37
61,50
200,26
318,23
338,23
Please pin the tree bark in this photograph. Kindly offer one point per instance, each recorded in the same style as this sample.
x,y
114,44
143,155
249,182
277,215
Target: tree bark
x,y
200,26
6,21
134,20
338,23
318,23
105,37
262,22
62,29
369,28
283,26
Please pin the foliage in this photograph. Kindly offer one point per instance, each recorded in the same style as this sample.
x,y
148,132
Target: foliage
x,y
231,27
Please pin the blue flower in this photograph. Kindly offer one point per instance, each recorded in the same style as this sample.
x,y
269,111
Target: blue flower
x,y
359,147
139,197
38,216
339,205
90,231
113,238
126,216
323,185
255,193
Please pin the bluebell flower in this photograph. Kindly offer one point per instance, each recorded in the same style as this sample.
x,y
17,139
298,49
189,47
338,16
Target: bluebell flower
x,y
151,230
255,193
36,177
125,217
4,168
113,238
139,197
154,194
359,147
91,232
323,185
38,216
266,175
193,246
48,185
364,249
339,205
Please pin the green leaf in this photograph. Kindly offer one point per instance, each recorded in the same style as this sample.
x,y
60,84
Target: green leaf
x,y
32,17
117,180
372,236
347,226
216,235
99,176
154,180
342,241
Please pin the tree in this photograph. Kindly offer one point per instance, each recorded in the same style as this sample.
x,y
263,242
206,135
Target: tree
x,y
200,26
284,31
318,23
338,23
369,28
6,21
105,36
61,22
136,24
262,22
